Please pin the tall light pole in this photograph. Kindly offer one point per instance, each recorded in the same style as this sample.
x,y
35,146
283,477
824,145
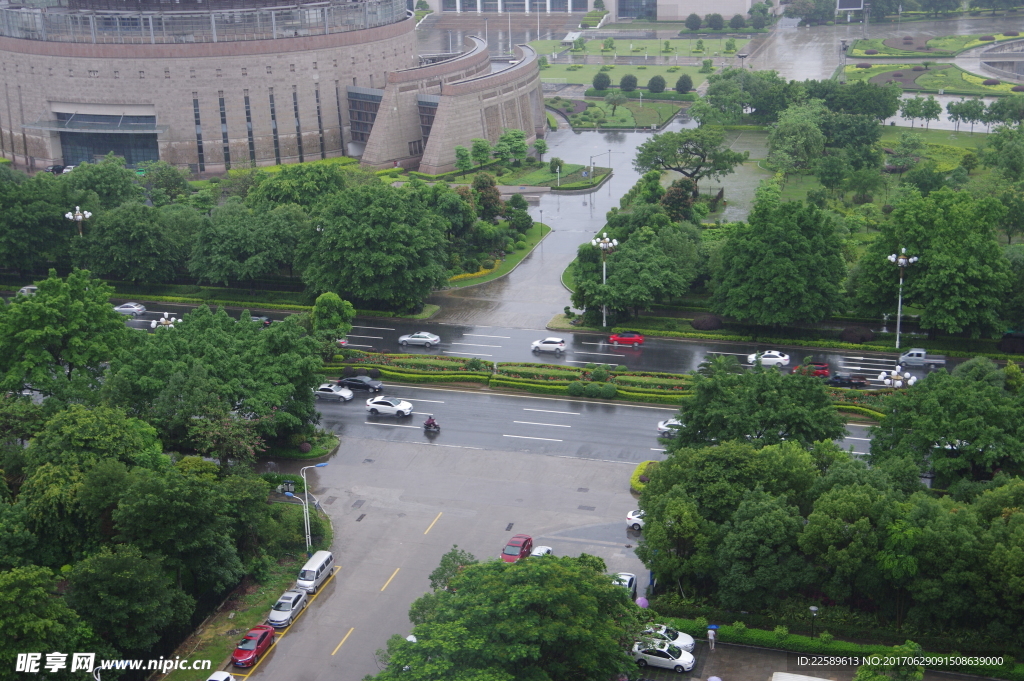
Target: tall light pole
x,y
814,616
743,57
305,518
607,246
449,42
77,217
902,260
302,472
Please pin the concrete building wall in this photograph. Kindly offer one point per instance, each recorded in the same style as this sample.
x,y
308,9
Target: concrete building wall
x,y
678,10
39,78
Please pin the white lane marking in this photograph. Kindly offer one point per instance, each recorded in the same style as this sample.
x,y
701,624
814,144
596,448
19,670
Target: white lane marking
x,y
390,425
865,439
531,423
375,328
523,437
576,361
477,345
352,335
589,343
459,352
418,399
551,411
719,352
483,335
655,449
548,399
606,354
422,413
353,345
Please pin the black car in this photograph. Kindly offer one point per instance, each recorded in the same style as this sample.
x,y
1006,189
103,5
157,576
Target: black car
x,y
848,381
56,170
361,383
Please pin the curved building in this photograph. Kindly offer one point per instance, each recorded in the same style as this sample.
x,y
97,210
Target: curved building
x,y
207,84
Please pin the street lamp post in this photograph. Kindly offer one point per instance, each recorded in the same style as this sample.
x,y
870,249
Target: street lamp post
x,y
743,57
641,106
449,42
814,616
302,472
607,246
77,217
305,517
558,177
897,377
901,260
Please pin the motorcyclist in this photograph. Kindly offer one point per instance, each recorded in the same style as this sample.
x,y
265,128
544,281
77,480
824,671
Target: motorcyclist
x,y
430,422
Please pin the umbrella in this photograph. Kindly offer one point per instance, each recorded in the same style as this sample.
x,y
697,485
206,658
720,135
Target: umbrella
x,y
713,626
642,602
714,678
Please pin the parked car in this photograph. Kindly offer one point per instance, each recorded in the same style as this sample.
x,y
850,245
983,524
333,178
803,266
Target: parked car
x,y
67,169
635,520
627,580
361,383
555,345
848,381
263,321
919,357
627,338
419,338
517,547
812,369
56,170
28,290
329,391
664,655
133,309
541,551
769,358
391,406
251,648
668,427
220,676
288,606
660,632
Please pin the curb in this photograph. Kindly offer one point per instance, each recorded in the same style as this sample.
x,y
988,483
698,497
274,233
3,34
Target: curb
x,y
589,190
462,288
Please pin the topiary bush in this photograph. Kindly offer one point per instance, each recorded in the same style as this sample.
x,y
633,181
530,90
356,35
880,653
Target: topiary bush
x,y
373,372
609,391
348,372
707,322
576,388
870,51
641,475
520,245
990,81
1010,33
487,264
592,390
1017,88
856,334
986,38
918,68
305,448
602,81
599,374
864,65
627,83
656,84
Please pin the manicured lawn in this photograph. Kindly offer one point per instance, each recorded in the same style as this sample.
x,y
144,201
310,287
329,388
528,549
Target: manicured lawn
x,y
533,237
632,114
951,79
891,134
584,74
630,47
858,48
542,177
943,46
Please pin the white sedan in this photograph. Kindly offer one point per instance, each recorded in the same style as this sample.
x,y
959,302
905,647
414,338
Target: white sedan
x,y
626,580
555,345
541,551
329,391
664,655
133,309
660,632
419,338
635,520
668,427
388,405
769,358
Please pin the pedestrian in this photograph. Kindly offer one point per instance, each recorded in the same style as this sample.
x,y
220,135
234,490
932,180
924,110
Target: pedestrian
x,y
711,638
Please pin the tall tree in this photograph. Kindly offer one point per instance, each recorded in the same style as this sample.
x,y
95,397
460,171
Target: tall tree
x,y
463,161
112,182
304,184
696,154
480,151
128,243
798,135
615,99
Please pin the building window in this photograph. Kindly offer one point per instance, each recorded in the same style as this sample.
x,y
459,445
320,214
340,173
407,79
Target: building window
x,y
298,127
291,67
93,73
142,74
199,132
362,112
218,73
224,130
167,73
191,73
273,127
341,124
314,66
248,127
416,148
268,70
320,121
245,71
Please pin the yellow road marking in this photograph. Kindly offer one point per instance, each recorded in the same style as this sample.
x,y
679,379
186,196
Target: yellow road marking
x,y
344,639
390,578
432,524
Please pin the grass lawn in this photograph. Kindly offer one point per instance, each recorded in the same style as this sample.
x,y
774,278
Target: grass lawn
x,y
943,46
632,114
963,139
636,47
541,177
858,48
947,77
533,237
584,74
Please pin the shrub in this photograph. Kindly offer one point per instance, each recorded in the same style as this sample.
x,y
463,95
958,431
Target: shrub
x,y
520,245
870,51
739,626
599,374
707,322
641,474
758,22
576,388
864,65
475,364
656,84
701,623
826,637
373,372
990,81
987,38
1010,33
918,68
737,21
471,265
781,632
592,390
684,84
348,372
602,81
627,83
1017,88
608,391
487,264
360,371
305,448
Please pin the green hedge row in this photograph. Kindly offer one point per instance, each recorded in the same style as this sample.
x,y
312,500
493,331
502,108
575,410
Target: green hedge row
x,y
543,374
634,480
863,411
669,96
541,388
651,383
630,396
434,377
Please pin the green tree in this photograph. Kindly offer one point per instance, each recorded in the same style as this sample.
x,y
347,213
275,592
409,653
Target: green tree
x,y
684,84
128,243
602,81
570,621
57,341
555,164
912,108
894,668
480,150
488,198
862,183
969,161
798,135
130,618
656,84
452,563
678,200
641,273
303,184
541,147
609,44
627,83
463,161
715,22
693,22
33,229
785,265
375,244
513,143
930,110
165,182
1005,153
758,22
615,99
737,21
112,182
696,154
831,172
332,315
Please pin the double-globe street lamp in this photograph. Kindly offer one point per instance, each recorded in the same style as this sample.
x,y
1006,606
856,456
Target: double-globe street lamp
x,y
305,504
77,217
901,260
607,246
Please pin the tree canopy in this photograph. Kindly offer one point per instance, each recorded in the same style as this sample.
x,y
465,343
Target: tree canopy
x,y
697,154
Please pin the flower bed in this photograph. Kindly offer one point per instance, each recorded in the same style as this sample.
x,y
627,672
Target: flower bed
x,y
677,383
544,372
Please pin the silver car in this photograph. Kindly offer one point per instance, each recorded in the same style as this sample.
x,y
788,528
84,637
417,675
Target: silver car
x,y
669,427
329,391
663,654
627,580
132,309
419,338
288,606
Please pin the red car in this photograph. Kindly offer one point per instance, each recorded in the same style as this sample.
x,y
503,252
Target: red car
x,y
627,338
518,547
252,647
813,369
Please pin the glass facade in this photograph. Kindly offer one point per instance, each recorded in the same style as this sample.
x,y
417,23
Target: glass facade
x,y
638,9
362,112
427,112
87,138
519,6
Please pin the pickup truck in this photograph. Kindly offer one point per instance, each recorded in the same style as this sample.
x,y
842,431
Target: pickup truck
x,y
916,357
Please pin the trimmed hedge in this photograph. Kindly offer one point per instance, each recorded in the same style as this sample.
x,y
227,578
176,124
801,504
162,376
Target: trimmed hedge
x,y
669,96
677,383
635,485
863,411
628,396
529,387
543,373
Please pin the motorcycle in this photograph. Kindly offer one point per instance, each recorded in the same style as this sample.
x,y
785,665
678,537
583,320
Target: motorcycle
x,y
431,426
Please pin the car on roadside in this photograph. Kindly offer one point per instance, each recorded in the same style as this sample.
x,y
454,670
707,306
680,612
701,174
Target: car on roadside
x,y
627,580
551,344
519,546
769,358
251,648
635,520
56,169
627,338
664,655
329,391
264,322
813,369
388,406
342,342
848,381
360,383
661,632
67,169
132,309
28,290
669,427
541,551
287,608
419,338
220,676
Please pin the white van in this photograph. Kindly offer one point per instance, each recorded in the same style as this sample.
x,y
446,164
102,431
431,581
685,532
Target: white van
x,y
316,571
